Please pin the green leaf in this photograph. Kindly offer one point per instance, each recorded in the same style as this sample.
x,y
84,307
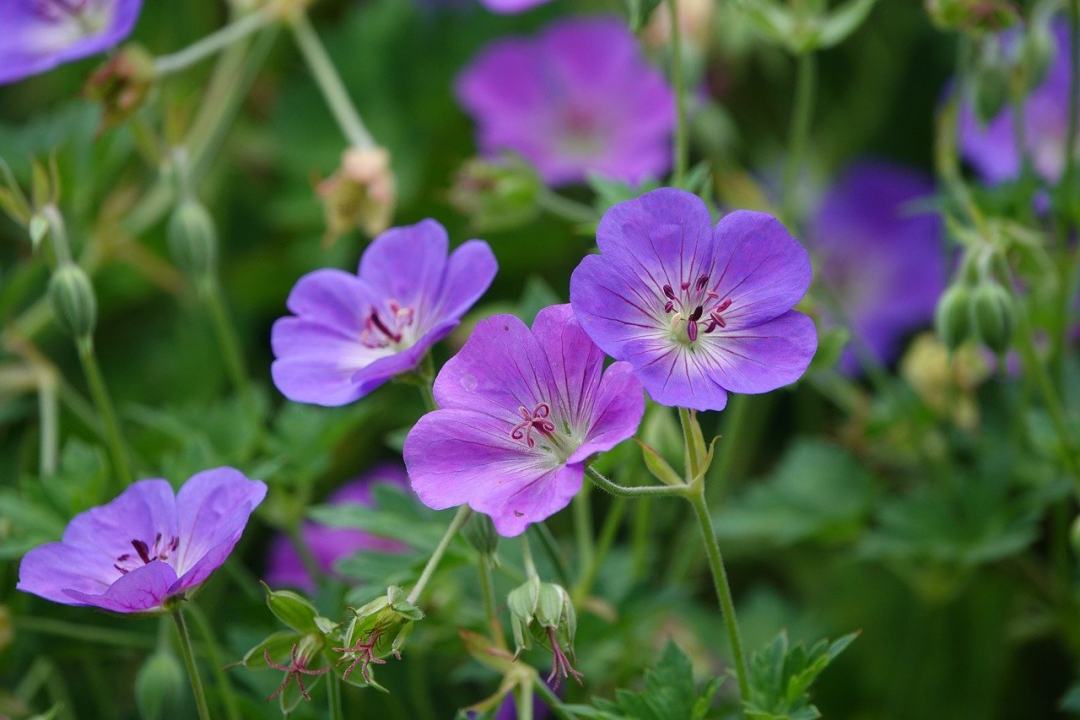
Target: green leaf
x,y
843,21
781,677
638,13
670,693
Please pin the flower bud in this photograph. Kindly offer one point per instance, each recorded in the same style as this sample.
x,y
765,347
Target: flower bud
x,y
292,609
159,686
193,238
361,193
378,629
952,319
993,315
121,84
545,611
972,15
497,194
73,302
480,532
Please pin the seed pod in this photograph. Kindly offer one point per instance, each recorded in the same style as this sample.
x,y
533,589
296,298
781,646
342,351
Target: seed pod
x,y
993,315
193,238
159,686
73,303
952,319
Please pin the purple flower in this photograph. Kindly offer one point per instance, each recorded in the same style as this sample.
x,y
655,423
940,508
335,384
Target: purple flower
x,y
327,544
882,259
512,6
579,98
698,311
147,545
349,334
38,35
521,412
992,148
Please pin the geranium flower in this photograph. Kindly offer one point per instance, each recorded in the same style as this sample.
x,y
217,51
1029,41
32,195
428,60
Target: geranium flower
x,y
38,35
349,334
329,544
147,545
512,6
579,98
520,413
882,259
698,311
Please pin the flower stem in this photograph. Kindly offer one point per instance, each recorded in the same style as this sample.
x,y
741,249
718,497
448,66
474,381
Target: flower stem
x,y
100,395
554,703
333,696
551,549
722,587
564,207
213,655
525,701
307,558
603,544
805,87
637,490
215,42
189,661
329,82
433,562
50,421
225,330
487,590
678,82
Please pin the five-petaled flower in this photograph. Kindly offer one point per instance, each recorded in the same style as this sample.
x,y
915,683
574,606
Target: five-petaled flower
x,y
579,98
38,35
146,546
295,670
349,334
698,311
520,413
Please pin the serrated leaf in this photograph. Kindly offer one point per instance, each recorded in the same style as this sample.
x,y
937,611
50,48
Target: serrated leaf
x,y
670,693
781,676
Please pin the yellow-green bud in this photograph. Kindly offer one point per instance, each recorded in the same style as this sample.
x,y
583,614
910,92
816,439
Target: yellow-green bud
x,y
193,238
993,315
952,319
292,609
73,303
159,686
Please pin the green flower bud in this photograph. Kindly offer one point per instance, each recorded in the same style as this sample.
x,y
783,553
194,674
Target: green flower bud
x,y
293,609
73,302
993,315
952,319
497,195
193,238
377,630
159,685
544,611
480,532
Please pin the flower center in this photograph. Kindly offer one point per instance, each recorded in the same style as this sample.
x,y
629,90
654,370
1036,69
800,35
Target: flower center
x,y
387,328
536,419
694,305
146,554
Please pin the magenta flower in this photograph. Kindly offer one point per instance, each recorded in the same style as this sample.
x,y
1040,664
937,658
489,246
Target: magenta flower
x,y
147,545
38,35
520,413
698,311
579,98
882,258
328,544
349,334
512,6
992,148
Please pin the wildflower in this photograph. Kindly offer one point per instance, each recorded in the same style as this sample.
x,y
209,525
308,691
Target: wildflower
x,y
351,333
520,413
146,546
882,259
579,98
698,311
327,544
511,6
38,35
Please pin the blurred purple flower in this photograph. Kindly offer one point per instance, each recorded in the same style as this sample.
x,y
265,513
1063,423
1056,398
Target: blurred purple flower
x,y
521,412
349,334
992,148
579,98
284,567
697,311
512,6
38,35
147,545
882,260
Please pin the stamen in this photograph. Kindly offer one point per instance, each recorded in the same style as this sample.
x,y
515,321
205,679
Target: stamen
x,y
534,420
142,549
378,323
669,292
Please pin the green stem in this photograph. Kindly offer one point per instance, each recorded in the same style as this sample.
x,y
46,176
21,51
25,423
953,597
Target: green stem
x,y
225,330
213,655
732,440
189,661
329,82
554,703
551,549
527,558
723,589
603,544
805,87
525,700
307,558
215,41
48,416
564,207
487,591
692,454
333,696
637,491
681,147
459,520
103,403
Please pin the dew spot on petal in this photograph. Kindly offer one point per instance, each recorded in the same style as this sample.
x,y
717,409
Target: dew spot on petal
x,y
469,383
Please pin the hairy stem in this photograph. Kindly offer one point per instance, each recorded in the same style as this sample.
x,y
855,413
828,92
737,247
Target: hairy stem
x,y
681,147
104,405
456,524
189,661
637,491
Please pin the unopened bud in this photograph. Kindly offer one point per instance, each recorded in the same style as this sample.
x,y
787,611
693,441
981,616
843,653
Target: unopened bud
x,y
73,302
193,238
497,194
292,609
377,630
544,611
121,84
361,194
480,532
952,319
972,15
159,685
993,315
